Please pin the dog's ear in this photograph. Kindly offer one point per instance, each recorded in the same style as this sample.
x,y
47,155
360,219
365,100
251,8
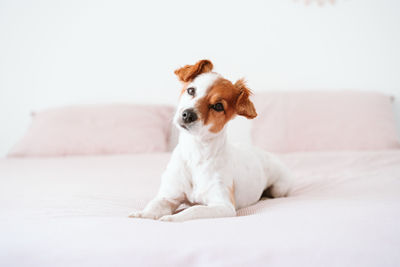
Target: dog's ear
x,y
189,72
244,106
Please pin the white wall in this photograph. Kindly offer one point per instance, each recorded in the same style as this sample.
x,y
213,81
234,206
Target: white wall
x,y
64,52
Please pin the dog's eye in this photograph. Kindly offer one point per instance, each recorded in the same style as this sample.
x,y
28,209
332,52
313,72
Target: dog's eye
x,y
191,91
218,107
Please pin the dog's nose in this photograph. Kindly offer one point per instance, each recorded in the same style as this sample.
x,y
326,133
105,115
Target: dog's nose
x,y
189,116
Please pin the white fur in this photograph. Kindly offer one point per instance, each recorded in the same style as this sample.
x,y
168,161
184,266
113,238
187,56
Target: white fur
x,y
204,168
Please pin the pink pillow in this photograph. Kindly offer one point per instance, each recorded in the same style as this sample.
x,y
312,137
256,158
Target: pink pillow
x,y
336,120
96,129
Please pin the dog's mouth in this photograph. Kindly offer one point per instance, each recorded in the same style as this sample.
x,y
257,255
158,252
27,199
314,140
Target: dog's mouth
x,y
184,126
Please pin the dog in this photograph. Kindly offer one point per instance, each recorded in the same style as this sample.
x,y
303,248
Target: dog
x,y
213,177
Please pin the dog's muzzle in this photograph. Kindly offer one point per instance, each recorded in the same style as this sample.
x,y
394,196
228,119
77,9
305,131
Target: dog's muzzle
x,y
189,116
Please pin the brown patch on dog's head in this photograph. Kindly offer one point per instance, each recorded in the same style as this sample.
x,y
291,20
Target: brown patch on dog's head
x,y
233,97
189,72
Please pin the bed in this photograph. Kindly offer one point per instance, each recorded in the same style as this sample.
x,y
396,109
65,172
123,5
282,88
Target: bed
x,y
343,208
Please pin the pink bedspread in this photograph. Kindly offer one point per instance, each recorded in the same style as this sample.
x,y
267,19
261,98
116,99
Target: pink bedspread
x,y
344,211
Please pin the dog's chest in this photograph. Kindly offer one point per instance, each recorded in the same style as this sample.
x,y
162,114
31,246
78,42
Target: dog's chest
x,y
204,180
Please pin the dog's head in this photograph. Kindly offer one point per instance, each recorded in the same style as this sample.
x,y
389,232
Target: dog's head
x,y
208,101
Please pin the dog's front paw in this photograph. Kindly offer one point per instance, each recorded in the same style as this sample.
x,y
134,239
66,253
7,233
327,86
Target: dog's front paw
x,y
136,214
173,218
144,215
167,218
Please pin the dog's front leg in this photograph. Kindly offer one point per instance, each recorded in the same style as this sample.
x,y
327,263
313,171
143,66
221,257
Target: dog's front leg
x,y
218,202
201,212
170,194
158,207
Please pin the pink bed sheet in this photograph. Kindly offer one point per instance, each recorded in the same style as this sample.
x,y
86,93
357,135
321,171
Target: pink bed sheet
x,y
344,210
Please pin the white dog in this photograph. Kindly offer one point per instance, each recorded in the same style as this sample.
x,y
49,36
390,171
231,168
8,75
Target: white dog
x,y
206,172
